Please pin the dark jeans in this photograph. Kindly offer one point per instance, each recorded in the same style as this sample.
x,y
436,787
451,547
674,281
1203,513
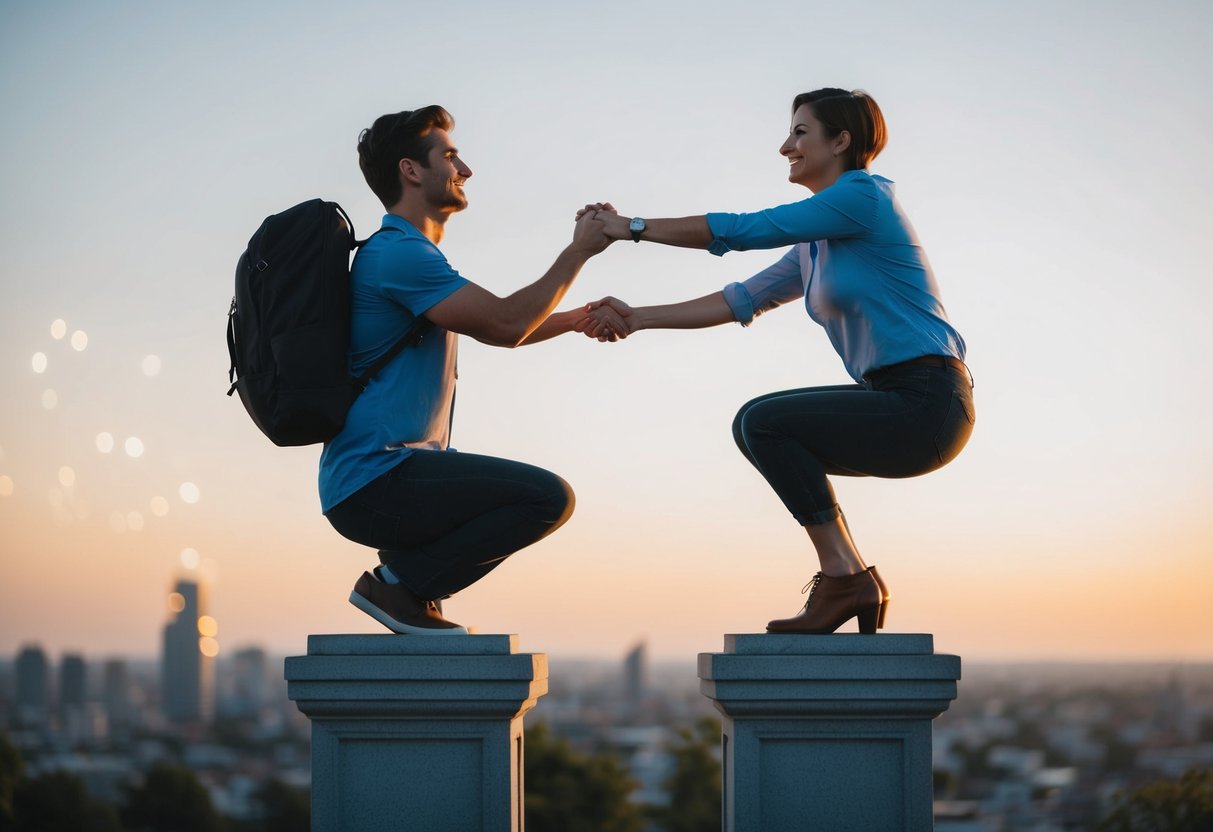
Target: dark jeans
x,y
902,421
443,520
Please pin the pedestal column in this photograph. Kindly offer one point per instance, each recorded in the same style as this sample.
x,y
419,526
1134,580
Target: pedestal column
x,y
828,732
416,732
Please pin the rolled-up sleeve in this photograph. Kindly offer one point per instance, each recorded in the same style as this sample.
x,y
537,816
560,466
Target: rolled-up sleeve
x,y
845,209
774,286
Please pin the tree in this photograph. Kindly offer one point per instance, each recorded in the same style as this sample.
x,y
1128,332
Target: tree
x,y
1184,805
694,785
11,769
170,798
287,809
571,792
58,802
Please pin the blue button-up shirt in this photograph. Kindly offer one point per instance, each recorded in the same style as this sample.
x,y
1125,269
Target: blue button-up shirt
x,y
856,261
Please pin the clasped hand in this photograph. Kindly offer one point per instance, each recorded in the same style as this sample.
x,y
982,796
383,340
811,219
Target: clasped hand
x,y
609,319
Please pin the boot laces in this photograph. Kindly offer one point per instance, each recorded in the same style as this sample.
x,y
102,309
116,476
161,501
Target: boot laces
x,y
811,587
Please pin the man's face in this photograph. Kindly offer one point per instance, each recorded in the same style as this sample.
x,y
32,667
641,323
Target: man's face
x,y
442,182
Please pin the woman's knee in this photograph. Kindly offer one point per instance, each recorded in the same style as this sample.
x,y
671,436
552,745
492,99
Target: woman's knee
x,y
743,425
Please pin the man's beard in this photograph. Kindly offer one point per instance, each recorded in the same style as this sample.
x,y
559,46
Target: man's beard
x,y
450,196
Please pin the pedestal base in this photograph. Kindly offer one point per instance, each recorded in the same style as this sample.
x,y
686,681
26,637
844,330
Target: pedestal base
x,y
415,732
828,732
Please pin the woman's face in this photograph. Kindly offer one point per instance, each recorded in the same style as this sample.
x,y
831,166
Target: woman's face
x,y
814,160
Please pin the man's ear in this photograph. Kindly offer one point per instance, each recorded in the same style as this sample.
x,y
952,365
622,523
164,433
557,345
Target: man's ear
x,y
409,170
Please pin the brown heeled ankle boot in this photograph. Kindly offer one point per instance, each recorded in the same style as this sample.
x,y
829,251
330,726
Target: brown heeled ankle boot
x,y
884,597
832,602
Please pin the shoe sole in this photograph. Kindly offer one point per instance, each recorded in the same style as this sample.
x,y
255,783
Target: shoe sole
x,y
399,627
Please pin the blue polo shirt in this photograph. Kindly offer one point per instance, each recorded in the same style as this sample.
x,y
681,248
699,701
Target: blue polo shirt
x,y
856,261
409,404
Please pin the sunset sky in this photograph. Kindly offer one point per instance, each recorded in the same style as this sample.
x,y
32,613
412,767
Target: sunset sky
x,y
1056,160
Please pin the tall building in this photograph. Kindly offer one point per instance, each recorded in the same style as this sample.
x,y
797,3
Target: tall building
x,y
72,682
249,676
636,673
187,663
116,694
33,686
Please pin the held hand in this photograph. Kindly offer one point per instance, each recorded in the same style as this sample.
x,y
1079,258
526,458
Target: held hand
x,y
594,207
609,319
615,226
589,234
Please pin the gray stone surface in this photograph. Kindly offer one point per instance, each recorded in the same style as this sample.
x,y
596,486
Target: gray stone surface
x,y
416,732
828,732
396,645
834,644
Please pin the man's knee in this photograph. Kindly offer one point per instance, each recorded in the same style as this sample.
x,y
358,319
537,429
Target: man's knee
x,y
554,498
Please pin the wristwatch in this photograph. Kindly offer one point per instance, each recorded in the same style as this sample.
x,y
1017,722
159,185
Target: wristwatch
x,y
636,226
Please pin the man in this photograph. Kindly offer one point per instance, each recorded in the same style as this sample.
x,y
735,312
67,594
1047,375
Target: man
x,y
440,519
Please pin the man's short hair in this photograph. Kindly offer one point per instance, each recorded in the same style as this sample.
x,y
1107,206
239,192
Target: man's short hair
x,y
396,136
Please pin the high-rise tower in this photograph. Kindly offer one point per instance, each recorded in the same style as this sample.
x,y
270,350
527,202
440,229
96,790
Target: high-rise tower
x,y
187,665
33,686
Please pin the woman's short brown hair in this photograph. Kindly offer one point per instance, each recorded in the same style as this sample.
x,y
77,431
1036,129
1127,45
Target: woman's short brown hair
x,y
854,111
396,136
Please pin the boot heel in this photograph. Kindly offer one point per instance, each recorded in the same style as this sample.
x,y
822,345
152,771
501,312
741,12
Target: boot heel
x,y
884,608
867,620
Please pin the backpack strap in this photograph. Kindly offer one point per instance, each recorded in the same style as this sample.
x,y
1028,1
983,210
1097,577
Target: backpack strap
x,y
411,338
231,346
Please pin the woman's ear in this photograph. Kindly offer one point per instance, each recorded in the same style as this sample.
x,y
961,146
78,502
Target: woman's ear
x,y
841,142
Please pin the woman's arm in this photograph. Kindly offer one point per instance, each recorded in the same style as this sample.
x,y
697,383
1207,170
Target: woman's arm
x,y
686,232
847,208
709,310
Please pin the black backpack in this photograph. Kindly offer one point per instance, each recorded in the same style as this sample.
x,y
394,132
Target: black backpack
x,y
288,330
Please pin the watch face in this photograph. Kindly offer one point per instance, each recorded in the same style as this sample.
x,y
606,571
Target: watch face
x,y
637,224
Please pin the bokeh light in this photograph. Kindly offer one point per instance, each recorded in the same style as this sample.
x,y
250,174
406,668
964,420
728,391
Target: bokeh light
x,y
133,447
49,399
189,492
151,365
58,329
79,340
118,521
176,602
189,558
159,506
67,476
105,442
208,647
208,626
134,520
39,362
6,486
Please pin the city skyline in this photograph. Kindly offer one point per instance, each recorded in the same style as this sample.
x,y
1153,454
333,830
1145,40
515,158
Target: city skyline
x,y
145,143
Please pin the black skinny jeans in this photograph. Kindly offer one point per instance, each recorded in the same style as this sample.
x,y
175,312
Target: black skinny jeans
x,y
443,520
903,421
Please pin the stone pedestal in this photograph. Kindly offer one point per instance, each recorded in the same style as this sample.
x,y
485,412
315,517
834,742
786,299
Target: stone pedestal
x,y
829,733
416,732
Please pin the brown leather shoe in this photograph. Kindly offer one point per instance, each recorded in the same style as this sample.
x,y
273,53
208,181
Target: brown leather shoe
x,y
832,602
397,608
884,597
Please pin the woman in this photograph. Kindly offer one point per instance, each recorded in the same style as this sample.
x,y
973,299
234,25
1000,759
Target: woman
x,y
856,262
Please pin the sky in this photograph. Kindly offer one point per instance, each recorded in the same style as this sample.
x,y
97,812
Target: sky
x,y
1055,161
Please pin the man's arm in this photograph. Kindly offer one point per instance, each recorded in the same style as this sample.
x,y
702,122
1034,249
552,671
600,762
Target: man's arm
x,y
511,321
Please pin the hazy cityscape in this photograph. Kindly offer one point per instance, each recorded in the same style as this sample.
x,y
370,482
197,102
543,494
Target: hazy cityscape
x,y
1024,747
